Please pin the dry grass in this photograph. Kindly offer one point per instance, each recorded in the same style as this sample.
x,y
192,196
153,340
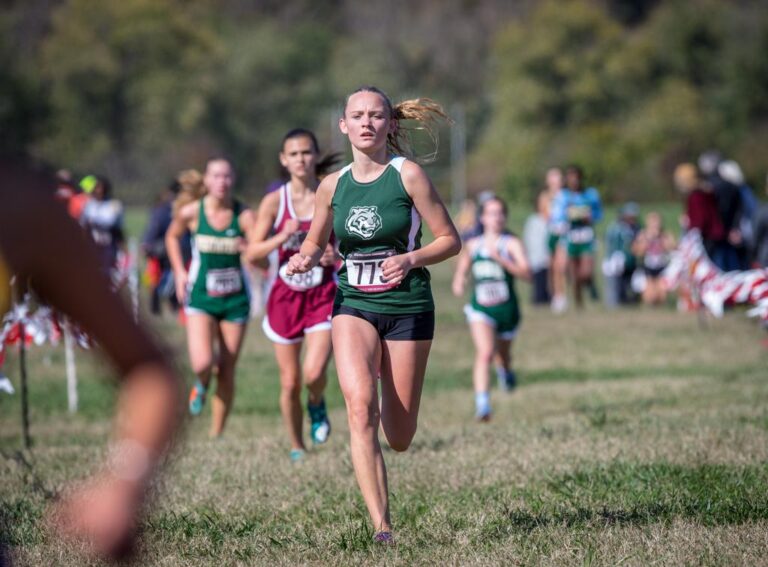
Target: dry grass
x,y
636,438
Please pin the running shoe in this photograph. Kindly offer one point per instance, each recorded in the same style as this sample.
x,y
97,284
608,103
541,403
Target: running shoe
x,y
196,398
483,417
593,293
559,304
482,406
510,379
384,537
501,375
296,455
321,427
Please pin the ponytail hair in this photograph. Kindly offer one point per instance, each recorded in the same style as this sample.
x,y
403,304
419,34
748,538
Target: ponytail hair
x,y
325,164
424,111
191,188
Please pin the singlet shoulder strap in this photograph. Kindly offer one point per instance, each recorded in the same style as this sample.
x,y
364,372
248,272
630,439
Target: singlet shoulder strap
x,y
202,222
397,162
281,206
344,170
289,201
474,245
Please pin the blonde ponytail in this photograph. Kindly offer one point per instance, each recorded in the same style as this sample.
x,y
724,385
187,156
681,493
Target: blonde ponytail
x,y
191,190
426,113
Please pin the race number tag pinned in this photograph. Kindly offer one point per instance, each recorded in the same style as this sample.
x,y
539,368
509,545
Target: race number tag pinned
x,y
581,235
489,294
301,282
364,271
219,283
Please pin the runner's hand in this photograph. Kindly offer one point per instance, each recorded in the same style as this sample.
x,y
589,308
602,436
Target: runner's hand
x,y
181,287
103,514
298,264
493,249
458,288
395,268
329,256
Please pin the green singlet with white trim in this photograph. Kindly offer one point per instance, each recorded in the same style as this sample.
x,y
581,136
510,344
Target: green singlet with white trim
x,y
372,221
218,286
493,289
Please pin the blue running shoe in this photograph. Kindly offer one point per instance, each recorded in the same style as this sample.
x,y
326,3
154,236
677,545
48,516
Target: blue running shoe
x,y
197,398
296,455
321,427
384,538
482,406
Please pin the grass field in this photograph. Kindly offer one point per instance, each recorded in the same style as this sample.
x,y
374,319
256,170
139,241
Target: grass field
x,y
636,437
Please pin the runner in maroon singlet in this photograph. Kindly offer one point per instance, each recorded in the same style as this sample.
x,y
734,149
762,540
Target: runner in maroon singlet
x,y
299,306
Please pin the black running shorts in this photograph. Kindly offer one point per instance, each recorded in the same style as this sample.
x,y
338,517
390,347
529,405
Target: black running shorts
x,y
410,327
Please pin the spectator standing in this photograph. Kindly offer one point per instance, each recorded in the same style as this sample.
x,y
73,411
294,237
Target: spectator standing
x,y
700,207
620,263
102,217
535,235
153,245
760,257
653,246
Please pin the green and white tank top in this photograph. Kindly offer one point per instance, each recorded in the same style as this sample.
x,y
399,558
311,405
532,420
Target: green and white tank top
x,y
493,287
373,221
216,273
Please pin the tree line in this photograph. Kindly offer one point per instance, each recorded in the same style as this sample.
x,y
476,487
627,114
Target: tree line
x,y
139,89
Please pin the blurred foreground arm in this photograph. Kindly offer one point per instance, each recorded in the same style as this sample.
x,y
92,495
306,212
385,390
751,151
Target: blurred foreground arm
x,y
42,244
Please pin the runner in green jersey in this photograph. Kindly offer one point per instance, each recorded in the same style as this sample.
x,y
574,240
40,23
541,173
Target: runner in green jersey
x,y
383,319
214,291
494,259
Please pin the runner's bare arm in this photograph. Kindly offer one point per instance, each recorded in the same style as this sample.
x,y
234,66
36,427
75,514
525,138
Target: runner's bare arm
x,y
260,245
315,243
462,269
431,208
517,264
180,224
65,271
248,222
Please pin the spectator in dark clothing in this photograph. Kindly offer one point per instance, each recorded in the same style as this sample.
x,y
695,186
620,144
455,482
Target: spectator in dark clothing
x,y
103,217
153,244
760,257
727,253
730,171
700,207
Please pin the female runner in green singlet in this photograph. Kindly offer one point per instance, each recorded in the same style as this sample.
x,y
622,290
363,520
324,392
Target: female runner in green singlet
x,y
383,320
495,259
214,292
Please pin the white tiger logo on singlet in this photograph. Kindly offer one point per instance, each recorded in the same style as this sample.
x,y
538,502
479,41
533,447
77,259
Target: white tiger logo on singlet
x,y
363,221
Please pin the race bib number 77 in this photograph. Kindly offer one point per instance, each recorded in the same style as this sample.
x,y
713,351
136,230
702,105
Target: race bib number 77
x,y
364,271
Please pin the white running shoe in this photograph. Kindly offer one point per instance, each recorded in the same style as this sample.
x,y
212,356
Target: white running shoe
x,y
5,385
559,304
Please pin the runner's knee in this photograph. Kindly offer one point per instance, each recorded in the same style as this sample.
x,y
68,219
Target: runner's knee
x,y
361,416
400,440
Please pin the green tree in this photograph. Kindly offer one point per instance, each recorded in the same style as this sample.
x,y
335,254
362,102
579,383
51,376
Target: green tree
x,y
128,80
